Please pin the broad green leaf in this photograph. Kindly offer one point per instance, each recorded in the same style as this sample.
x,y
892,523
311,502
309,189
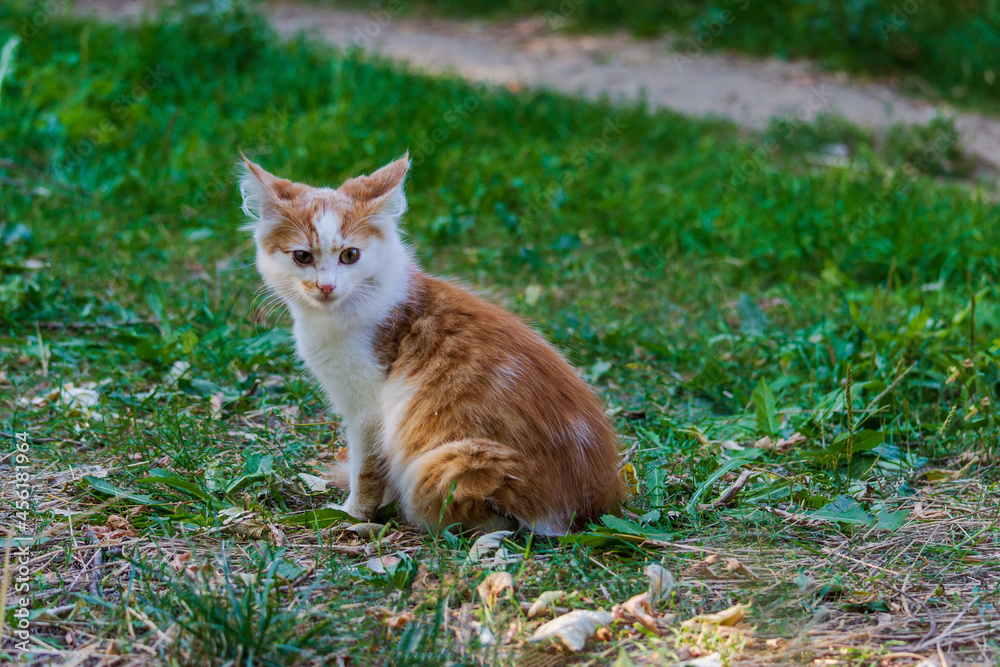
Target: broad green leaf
x,y
753,321
844,509
886,520
627,527
108,489
763,400
864,441
321,518
173,480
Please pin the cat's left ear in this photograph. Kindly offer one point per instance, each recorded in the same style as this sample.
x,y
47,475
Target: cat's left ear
x,y
381,192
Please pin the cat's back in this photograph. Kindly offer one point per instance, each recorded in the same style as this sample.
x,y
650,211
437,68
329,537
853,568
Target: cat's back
x,y
468,369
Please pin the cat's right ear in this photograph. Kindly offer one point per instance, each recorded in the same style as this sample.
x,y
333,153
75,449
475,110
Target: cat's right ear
x,y
263,193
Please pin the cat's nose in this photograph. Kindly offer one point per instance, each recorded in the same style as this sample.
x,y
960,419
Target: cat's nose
x,y
325,289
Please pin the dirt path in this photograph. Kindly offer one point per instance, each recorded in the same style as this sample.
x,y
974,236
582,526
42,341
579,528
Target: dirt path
x,y
529,53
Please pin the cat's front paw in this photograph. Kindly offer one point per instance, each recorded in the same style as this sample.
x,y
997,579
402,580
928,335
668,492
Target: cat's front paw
x,y
353,508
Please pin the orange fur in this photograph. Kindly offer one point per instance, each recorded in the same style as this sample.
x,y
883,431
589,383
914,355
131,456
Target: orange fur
x,y
497,411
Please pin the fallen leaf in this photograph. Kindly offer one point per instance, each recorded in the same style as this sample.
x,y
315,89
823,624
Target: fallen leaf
x,y
638,607
493,585
424,579
277,535
791,441
661,582
713,660
380,563
313,484
215,405
544,601
764,443
483,634
399,620
574,628
740,569
366,531
486,545
179,560
730,616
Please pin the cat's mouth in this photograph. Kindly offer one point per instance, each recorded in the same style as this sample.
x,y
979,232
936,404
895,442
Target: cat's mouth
x,y
326,299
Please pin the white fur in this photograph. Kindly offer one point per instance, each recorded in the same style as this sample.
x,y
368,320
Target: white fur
x,y
394,403
334,337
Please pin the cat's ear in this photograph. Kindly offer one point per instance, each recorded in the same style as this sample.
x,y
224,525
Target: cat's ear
x,y
381,192
263,193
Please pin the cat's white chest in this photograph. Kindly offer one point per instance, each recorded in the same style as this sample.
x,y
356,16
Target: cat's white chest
x,y
345,365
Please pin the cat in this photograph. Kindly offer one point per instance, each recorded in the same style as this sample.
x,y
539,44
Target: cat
x,y
451,405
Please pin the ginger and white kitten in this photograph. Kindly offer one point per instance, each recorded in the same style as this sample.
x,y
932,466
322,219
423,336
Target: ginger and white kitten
x,y
451,405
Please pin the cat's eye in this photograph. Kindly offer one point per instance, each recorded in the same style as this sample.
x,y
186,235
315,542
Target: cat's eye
x,y
350,256
302,257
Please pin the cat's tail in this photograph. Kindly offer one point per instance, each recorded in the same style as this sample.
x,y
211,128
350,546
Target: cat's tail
x,y
340,475
468,482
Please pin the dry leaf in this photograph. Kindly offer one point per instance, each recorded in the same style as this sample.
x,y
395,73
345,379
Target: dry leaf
x,y
215,405
920,513
544,601
638,606
764,443
493,585
730,616
380,563
242,523
701,570
713,660
312,483
740,569
574,628
277,535
661,582
179,561
787,443
399,621
116,528
487,544
424,579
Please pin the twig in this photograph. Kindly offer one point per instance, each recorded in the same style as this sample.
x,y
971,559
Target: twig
x,y
97,562
925,641
628,455
733,489
888,390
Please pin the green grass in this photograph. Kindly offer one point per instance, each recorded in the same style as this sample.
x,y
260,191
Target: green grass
x,y
944,50
718,291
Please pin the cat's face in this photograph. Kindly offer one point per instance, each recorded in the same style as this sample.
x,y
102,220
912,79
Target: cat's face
x,y
325,249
